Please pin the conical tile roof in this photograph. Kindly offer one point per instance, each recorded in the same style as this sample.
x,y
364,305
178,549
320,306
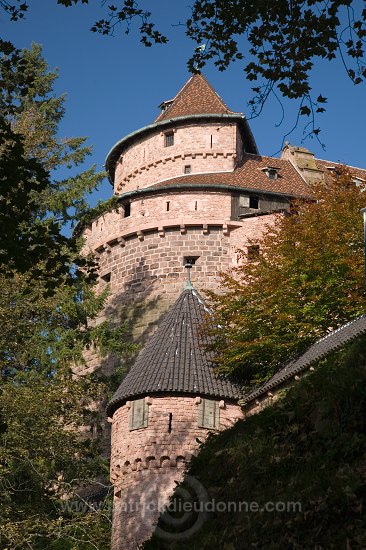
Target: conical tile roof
x,y
197,97
175,361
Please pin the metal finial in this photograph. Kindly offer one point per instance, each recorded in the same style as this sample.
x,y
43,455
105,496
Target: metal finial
x,y
188,267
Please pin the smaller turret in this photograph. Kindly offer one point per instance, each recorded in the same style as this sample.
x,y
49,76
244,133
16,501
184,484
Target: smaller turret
x,y
304,161
167,404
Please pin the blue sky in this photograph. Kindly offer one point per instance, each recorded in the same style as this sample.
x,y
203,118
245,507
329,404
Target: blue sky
x,y
114,84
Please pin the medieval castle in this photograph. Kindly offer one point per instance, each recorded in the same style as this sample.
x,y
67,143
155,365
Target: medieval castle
x,y
193,189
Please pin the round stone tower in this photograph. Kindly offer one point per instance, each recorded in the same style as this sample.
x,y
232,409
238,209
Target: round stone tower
x,y
189,185
165,407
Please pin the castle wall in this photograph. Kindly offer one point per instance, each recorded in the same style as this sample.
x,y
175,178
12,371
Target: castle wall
x,y
141,248
145,463
147,274
153,211
204,147
141,258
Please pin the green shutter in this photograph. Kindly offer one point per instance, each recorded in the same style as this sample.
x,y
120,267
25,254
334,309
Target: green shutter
x,y
209,414
138,414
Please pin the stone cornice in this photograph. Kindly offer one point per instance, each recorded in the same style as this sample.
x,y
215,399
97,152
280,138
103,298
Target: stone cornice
x,y
118,239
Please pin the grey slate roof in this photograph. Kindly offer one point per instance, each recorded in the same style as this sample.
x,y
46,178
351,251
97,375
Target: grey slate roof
x,y
320,349
174,360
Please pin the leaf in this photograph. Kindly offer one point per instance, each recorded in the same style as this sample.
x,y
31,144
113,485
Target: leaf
x,y
305,110
321,99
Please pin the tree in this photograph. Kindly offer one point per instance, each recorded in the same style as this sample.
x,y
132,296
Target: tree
x,y
47,312
34,209
279,40
307,279
47,454
28,239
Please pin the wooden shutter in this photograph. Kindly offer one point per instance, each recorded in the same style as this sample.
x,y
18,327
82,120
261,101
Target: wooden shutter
x,y
138,414
209,414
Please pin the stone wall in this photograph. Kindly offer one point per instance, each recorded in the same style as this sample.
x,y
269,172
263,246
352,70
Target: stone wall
x,y
204,147
152,212
141,259
145,463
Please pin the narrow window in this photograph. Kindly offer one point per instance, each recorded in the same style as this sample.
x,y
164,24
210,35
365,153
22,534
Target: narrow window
x,y
106,278
211,141
138,414
167,206
253,252
169,139
195,205
170,423
190,260
187,169
127,208
209,414
253,203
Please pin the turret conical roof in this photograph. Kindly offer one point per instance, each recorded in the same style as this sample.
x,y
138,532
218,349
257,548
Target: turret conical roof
x,y
197,97
175,359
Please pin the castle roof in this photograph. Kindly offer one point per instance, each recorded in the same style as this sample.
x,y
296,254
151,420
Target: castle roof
x,y
197,97
328,167
196,102
321,348
251,175
175,360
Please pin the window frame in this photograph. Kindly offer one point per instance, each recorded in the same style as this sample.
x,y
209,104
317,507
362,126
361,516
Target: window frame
x,y
253,252
139,414
168,139
209,414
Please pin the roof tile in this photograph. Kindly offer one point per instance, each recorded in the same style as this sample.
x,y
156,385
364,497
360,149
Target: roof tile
x,y
329,343
327,166
197,97
175,359
250,175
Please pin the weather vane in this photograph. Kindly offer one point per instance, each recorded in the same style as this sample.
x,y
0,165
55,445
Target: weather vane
x,y
199,50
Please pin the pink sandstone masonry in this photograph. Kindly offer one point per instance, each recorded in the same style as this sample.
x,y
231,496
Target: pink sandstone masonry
x,y
141,248
143,263
145,463
203,147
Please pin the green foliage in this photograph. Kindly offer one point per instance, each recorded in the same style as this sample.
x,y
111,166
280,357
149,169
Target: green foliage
x,y
47,457
92,213
48,315
307,279
35,208
307,448
30,106
25,237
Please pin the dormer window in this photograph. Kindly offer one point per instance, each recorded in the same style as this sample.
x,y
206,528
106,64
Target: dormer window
x,y
334,170
165,105
271,172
